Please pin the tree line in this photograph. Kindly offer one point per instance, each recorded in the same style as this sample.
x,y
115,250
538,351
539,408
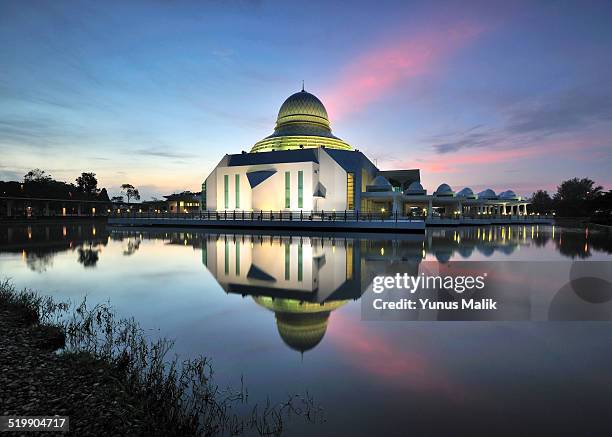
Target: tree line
x,y
575,198
86,183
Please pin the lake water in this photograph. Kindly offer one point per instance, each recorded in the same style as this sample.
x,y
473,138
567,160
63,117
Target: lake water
x,y
285,312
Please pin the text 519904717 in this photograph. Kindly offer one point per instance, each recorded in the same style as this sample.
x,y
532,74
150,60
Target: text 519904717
x,y
34,423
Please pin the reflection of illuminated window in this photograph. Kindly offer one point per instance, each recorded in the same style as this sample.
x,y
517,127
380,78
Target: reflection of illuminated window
x,y
287,189
350,191
226,190
300,189
226,257
349,261
237,256
287,262
300,261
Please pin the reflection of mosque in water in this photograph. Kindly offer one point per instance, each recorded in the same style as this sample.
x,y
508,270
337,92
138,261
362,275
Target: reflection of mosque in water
x,y
303,279
300,279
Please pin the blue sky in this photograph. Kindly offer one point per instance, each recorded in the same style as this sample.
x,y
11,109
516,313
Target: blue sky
x,y
153,93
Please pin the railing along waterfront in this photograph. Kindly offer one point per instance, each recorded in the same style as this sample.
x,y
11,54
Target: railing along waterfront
x,y
321,216
262,215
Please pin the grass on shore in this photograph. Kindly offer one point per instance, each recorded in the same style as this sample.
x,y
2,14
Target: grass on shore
x,y
181,395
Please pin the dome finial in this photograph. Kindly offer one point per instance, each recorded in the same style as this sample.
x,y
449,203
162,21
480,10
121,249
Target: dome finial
x,y
302,85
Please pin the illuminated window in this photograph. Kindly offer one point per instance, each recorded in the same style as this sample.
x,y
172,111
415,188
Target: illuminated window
x,y
300,189
364,180
287,189
226,190
350,191
237,191
287,261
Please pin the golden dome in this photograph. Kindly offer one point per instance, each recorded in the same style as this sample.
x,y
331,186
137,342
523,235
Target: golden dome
x,y
302,122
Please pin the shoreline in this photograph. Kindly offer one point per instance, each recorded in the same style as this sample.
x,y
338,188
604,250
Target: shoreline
x,y
37,381
109,380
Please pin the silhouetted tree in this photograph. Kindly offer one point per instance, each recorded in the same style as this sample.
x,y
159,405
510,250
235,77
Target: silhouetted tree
x,y
87,183
574,197
602,208
541,202
37,175
117,199
130,192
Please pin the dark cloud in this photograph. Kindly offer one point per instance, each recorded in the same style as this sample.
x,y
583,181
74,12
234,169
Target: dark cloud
x,y
573,111
566,112
163,152
32,131
466,140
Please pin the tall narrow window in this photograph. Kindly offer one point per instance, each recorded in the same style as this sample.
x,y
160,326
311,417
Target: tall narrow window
x,y
287,261
350,191
226,190
300,189
300,262
287,189
364,180
237,191
237,258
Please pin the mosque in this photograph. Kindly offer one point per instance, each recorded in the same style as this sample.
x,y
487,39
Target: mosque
x,y
303,166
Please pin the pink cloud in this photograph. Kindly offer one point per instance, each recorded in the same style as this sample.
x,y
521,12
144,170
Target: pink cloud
x,y
481,167
377,71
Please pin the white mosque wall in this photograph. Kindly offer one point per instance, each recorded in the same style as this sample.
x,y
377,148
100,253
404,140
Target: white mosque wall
x,y
211,190
333,178
269,195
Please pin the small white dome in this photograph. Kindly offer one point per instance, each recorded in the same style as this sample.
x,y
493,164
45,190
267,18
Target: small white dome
x,y
444,190
508,195
466,193
487,194
415,188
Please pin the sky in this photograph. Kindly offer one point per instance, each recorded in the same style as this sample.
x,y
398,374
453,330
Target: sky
x,y
507,95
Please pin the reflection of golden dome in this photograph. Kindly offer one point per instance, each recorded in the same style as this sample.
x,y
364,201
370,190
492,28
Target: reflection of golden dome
x,y
302,332
301,325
